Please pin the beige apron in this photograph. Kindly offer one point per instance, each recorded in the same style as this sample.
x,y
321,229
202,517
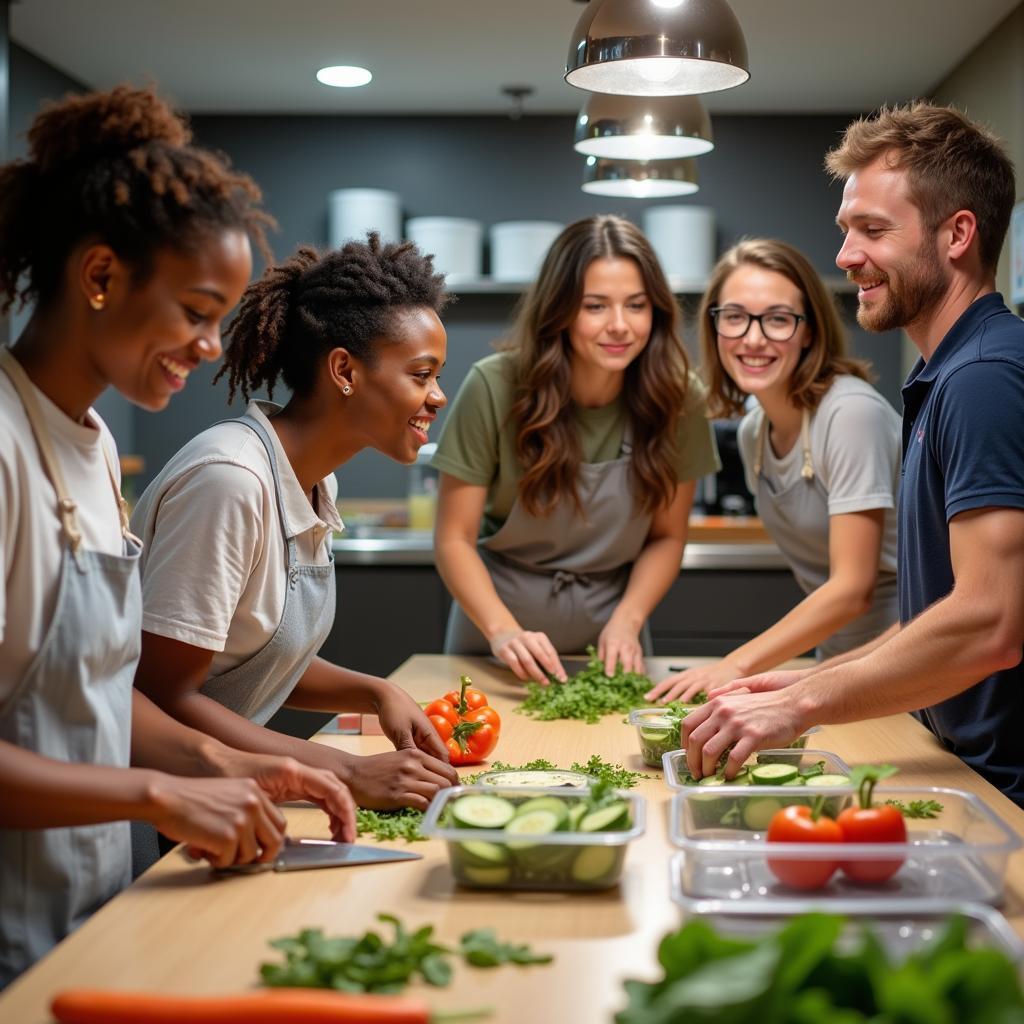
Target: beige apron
x,y
561,574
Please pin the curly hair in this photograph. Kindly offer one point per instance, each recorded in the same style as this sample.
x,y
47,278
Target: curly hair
x,y
118,166
952,163
655,387
820,363
314,302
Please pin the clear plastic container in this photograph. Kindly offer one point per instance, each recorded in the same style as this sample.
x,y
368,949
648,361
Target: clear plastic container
x,y
718,804
902,932
495,858
958,857
659,734
555,778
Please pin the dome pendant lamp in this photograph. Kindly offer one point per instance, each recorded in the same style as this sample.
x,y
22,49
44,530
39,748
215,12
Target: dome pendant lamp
x,y
657,48
643,127
640,179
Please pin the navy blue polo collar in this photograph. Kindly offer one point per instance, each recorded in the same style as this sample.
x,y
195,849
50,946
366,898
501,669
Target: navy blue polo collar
x,y
964,329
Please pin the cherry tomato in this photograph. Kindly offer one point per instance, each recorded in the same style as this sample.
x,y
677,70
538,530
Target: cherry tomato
x,y
444,709
876,824
794,824
443,726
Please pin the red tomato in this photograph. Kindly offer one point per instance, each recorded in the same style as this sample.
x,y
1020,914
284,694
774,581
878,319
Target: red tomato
x,y
443,726
877,824
443,708
794,825
475,746
473,698
486,715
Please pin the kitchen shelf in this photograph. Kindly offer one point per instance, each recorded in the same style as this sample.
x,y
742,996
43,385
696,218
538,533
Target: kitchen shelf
x,y
680,286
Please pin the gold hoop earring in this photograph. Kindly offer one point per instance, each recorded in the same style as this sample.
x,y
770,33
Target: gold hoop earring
x,y
346,390
98,301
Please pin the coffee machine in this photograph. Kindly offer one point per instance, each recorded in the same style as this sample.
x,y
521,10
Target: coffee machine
x,y
726,492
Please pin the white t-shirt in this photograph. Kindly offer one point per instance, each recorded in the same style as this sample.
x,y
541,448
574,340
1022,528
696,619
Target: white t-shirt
x,y
32,543
213,567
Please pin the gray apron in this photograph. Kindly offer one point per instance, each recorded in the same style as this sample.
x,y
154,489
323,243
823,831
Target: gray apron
x,y
259,686
797,519
73,704
560,574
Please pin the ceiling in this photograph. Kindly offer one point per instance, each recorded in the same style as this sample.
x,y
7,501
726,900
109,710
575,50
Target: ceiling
x,y
453,56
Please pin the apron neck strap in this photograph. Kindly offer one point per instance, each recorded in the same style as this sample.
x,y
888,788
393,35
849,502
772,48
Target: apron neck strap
x,y
66,505
807,469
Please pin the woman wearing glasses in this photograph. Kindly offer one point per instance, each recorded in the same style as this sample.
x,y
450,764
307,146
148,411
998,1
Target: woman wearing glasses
x,y
569,461
821,451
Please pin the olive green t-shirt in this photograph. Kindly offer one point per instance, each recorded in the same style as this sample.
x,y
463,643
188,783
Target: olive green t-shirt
x,y
477,443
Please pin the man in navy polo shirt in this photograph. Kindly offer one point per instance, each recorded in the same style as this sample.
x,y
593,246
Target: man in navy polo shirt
x,y
925,210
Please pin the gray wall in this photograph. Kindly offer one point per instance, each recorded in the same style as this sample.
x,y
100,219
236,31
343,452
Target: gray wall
x,y
764,177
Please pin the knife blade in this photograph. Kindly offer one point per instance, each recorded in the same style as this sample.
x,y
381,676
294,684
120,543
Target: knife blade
x,y
300,854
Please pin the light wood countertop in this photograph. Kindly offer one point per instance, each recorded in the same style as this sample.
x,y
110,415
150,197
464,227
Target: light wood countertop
x,y
179,930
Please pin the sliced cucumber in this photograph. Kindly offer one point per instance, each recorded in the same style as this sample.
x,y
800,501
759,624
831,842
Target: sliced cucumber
x,y
540,822
612,818
576,814
486,876
546,803
481,854
829,780
773,774
711,780
759,811
596,865
480,810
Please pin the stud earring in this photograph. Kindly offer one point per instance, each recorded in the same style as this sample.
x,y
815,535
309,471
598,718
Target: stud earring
x,y
98,301
346,389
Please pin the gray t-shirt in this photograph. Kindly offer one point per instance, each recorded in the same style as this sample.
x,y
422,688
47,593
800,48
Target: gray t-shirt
x,y
855,453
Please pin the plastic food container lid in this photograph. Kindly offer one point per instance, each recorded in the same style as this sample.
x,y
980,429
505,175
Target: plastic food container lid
x,y
673,764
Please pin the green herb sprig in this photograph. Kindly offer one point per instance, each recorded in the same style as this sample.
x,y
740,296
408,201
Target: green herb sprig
x,y
403,823
369,963
917,808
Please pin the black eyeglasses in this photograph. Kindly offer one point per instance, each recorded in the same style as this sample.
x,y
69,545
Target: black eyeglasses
x,y
776,325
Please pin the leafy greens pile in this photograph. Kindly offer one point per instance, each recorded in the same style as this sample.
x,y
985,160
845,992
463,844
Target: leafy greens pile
x,y
371,964
403,823
588,695
801,974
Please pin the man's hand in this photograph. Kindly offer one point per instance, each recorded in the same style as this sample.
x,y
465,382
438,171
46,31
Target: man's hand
x,y
738,724
284,778
400,778
620,645
686,685
530,655
224,821
403,722
765,682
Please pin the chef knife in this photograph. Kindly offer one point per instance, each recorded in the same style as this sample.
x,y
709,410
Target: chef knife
x,y
299,854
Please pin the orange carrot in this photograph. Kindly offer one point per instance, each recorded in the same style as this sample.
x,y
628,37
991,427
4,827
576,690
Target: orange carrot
x,y
281,1006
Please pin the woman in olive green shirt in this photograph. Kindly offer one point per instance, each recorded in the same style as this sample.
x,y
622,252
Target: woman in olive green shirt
x,y
569,462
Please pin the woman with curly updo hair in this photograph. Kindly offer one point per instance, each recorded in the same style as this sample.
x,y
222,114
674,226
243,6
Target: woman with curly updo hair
x,y
238,582
132,244
569,462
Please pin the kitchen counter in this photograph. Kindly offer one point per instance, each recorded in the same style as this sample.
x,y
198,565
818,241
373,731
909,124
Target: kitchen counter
x,y
178,930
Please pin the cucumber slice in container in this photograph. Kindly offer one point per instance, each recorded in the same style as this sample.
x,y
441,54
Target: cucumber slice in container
x,y
481,810
538,823
596,865
557,807
576,815
484,855
773,774
612,818
487,877
829,780
759,811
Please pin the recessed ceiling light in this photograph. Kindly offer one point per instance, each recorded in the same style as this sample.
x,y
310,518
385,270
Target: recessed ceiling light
x,y
344,76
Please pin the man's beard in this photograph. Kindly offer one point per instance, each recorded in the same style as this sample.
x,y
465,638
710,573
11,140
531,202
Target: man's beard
x,y
919,285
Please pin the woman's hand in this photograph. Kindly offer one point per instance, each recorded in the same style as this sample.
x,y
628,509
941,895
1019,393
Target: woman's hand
x,y
403,722
399,778
530,655
224,821
762,683
686,685
285,778
620,644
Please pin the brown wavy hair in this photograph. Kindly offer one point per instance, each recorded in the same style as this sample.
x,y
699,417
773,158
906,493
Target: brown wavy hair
x,y
547,443
822,360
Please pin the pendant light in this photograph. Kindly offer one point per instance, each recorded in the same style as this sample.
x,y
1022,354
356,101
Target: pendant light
x,y
640,179
657,48
643,127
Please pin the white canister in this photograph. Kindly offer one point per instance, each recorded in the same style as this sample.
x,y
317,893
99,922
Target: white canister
x,y
684,239
454,242
351,212
518,248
